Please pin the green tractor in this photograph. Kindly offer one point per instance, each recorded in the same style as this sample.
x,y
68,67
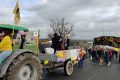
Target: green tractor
x,y
21,64
24,64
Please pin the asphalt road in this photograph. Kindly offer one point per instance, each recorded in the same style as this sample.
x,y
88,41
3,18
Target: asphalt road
x,y
88,72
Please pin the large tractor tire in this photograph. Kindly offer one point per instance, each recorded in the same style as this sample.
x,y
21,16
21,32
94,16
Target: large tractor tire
x,y
68,67
25,67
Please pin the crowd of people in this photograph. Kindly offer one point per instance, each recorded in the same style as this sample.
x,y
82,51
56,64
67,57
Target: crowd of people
x,y
103,55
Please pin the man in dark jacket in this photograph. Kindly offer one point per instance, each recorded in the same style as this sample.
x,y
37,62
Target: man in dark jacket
x,y
22,41
106,56
94,55
55,42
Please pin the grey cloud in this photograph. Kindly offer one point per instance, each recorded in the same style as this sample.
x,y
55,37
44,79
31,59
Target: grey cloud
x,y
90,17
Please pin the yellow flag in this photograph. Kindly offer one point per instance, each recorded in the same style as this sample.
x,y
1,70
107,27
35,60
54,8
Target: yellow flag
x,y
16,11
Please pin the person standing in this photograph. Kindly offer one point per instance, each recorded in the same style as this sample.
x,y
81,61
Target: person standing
x,y
116,55
90,52
119,56
22,41
55,42
106,56
61,46
94,56
110,55
81,55
99,54
66,43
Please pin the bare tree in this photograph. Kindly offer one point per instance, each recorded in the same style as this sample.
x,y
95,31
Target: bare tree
x,y
61,27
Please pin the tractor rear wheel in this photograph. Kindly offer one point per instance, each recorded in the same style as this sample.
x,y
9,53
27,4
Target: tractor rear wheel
x,y
68,67
25,67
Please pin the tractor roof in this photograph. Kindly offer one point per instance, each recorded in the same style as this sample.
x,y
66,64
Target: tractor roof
x,y
17,28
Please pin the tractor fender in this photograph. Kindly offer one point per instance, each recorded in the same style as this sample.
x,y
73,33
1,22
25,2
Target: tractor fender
x,y
5,64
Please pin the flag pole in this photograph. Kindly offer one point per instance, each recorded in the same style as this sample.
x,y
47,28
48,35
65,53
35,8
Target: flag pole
x,y
16,13
38,40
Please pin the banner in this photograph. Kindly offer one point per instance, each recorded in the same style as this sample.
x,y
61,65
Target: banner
x,y
107,40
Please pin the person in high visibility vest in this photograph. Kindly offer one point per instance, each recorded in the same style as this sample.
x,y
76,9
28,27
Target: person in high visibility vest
x,y
81,54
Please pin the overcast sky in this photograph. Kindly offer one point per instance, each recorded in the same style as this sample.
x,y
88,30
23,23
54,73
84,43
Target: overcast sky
x,y
91,17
